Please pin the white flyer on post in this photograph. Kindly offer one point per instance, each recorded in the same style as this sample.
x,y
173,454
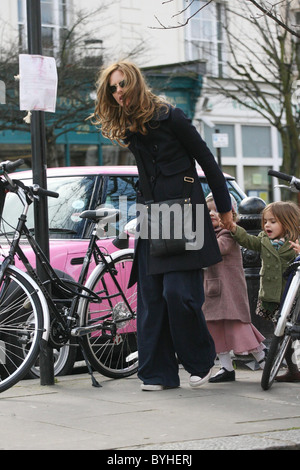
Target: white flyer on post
x,y
38,83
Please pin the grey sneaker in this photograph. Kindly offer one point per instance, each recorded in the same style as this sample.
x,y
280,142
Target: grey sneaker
x,y
196,381
152,388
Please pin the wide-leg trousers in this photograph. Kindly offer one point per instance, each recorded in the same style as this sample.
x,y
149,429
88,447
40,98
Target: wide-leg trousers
x,y
171,326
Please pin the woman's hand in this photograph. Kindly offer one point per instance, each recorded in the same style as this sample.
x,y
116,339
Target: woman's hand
x,y
226,220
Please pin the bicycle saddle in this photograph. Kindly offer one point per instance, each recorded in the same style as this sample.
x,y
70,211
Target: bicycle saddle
x,y
105,214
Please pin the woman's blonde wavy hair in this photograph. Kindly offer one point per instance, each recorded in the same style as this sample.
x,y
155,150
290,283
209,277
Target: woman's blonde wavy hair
x,y
140,104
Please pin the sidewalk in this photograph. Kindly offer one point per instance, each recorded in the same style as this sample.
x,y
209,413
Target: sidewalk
x,y
119,416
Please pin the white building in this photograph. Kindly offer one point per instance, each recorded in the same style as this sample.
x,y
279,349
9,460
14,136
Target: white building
x,y
153,26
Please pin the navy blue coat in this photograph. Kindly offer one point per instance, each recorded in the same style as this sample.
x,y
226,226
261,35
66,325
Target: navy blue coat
x,y
168,150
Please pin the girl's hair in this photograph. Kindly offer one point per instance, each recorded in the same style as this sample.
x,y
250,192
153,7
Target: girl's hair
x,y
288,214
140,104
235,216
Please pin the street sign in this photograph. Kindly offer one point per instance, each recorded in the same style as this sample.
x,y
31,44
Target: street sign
x,y
220,140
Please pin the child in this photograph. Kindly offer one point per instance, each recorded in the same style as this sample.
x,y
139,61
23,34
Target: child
x,y
276,244
226,306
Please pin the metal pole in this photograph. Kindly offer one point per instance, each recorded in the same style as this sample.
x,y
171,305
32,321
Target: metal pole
x,y
219,156
39,166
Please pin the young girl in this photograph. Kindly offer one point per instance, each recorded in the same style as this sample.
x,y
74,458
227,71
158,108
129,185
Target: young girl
x,y
226,306
276,243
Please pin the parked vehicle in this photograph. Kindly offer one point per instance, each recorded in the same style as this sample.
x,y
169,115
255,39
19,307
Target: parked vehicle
x,y
287,329
82,188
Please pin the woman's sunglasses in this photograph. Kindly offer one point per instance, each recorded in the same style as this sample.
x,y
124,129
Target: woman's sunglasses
x,y
113,88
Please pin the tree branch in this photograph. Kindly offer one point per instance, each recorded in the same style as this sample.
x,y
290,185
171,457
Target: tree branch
x,y
180,25
274,18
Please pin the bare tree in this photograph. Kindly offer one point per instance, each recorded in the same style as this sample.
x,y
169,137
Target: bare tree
x,y
266,8
266,74
79,58
263,66
271,10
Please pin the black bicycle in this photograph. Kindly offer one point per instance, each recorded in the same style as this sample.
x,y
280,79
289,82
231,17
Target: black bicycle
x,y
287,328
98,312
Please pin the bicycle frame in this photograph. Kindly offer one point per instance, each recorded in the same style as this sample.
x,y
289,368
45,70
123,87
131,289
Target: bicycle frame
x,y
291,293
82,289
79,331
55,316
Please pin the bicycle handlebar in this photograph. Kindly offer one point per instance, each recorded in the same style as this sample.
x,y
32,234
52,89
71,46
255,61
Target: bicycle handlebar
x,y
280,175
291,179
44,192
9,167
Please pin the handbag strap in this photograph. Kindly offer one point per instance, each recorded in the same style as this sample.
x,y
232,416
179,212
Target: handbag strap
x,y
188,180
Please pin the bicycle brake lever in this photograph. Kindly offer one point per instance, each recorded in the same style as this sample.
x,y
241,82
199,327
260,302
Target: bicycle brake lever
x,y
291,188
281,186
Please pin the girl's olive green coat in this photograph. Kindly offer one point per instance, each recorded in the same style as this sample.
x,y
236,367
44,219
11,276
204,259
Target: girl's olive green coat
x,y
273,262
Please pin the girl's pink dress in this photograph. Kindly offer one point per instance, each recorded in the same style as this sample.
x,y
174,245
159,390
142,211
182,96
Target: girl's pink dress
x,y
226,306
233,335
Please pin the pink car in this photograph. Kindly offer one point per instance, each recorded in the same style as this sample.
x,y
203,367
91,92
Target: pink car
x,y
82,188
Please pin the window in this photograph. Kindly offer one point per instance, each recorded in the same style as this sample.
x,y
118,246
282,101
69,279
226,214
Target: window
x,y
54,24
204,35
15,151
120,193
75,195
257,182
81,155
223,129
256,141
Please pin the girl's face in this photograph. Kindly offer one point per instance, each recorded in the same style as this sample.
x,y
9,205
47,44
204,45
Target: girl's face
x,y
213,214
117,86
272,226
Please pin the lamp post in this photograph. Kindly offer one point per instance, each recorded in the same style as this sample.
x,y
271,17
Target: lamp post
x,y
39,166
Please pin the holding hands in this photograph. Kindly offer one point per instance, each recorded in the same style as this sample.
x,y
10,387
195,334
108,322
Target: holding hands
x,y
226,220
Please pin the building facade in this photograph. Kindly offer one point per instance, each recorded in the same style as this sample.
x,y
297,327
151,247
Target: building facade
x,y
178,62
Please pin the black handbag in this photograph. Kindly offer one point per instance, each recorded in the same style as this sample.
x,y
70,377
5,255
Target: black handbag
x,y
169,222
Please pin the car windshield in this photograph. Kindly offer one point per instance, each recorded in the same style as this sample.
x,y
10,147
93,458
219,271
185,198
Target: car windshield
x,y
232,187
74,197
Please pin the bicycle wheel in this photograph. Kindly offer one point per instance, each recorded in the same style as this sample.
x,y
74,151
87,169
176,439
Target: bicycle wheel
x,y
112,353
274,360
63,358
278,348
21,327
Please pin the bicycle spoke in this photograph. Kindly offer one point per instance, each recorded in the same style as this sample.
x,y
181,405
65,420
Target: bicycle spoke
x,y
21,327
112,349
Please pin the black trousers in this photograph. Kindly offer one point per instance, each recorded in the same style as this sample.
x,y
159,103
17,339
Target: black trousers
x,y
171,324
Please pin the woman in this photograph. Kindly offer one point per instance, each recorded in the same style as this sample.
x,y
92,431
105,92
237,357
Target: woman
x,y
170,322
